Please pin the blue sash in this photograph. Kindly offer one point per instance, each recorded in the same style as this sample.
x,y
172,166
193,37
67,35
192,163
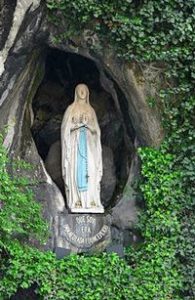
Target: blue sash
x,y
82,161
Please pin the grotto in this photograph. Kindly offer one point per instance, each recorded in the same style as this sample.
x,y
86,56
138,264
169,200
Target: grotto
x,y
39,77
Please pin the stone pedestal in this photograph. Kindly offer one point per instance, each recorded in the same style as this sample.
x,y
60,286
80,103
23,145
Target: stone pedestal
x,y
83,232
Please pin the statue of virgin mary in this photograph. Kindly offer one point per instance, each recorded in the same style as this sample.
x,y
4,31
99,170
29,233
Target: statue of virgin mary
x,y
81,155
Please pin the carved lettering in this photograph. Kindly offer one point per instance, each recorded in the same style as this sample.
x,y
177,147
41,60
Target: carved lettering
x,y
85,220
84,241
85,229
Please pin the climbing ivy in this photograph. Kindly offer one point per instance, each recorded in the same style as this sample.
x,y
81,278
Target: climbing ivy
x,y
162,32
181,142
162,267
150,271
74,277
156,271
20,214
103,276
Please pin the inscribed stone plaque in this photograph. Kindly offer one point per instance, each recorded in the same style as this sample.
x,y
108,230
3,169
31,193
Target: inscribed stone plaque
x,y
84,231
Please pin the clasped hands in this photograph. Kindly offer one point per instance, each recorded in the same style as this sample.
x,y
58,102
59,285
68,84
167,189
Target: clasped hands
x,y
77,126
82,122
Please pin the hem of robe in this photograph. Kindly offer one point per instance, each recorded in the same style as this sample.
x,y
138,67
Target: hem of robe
x,y
95,210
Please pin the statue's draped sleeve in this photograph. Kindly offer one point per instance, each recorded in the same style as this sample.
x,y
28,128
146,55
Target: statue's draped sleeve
x,y
65,139
99,147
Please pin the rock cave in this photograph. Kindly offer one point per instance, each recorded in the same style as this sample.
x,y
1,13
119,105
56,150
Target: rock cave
x,y
38,81
63,71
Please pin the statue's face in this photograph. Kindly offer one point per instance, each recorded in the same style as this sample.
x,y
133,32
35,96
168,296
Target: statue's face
x,y
82,92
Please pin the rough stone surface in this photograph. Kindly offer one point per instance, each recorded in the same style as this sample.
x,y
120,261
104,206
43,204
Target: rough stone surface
x,y
108,182
22,72
124,214
53,164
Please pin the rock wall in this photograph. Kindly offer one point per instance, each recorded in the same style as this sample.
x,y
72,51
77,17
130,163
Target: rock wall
x,y
25,37
22,68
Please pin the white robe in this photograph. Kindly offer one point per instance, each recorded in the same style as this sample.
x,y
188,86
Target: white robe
x,y
89,200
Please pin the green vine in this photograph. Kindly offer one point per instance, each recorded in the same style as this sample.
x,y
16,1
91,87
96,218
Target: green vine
x,y
162,32
75,277
162,267
20,214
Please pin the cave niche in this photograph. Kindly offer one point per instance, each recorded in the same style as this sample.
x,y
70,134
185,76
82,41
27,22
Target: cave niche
x,y
63,71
